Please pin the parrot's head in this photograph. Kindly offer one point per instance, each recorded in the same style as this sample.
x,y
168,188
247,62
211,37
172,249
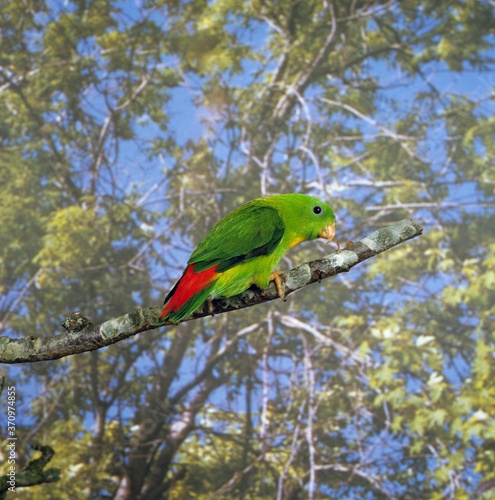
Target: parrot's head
x,y
307,218
318,218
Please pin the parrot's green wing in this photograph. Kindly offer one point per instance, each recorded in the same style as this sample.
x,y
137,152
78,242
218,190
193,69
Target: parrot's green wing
x,y
251,231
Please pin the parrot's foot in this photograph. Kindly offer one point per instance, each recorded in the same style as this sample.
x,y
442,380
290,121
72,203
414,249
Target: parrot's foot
x,y
275,277
209,305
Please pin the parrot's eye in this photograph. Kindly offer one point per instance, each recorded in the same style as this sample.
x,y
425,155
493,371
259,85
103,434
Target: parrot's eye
x,y
317,210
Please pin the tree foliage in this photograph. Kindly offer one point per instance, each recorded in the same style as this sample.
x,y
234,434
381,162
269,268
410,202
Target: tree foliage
x,y
127,130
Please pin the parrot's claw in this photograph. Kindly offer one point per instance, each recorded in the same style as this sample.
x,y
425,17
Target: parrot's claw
x,y
209,305
275,277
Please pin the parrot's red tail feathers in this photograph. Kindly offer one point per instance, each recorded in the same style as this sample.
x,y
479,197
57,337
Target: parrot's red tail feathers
x,y
187,287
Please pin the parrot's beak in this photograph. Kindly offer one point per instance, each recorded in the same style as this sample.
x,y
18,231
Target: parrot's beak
x,y
328,233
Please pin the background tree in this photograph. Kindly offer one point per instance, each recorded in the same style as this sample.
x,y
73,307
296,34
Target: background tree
x,y
127,131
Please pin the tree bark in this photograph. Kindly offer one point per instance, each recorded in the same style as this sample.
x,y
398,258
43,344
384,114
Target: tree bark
x,y
82,335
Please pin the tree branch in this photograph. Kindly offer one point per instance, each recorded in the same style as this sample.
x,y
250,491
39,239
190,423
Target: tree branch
x,y
82,335
33,473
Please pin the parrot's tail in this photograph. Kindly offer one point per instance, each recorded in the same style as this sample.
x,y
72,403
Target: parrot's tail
x,y
185,296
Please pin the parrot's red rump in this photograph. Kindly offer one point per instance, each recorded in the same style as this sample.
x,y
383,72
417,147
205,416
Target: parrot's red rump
x,y
189,285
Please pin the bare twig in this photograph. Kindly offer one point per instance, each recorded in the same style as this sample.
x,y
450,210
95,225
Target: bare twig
x,y
82,335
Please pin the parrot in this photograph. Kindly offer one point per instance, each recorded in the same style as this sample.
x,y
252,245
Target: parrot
x,y
244,247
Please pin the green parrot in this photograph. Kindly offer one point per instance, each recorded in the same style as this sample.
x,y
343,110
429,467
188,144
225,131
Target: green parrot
x,y
244,247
